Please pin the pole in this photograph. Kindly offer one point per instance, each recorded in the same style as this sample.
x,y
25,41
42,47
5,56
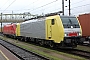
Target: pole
x,y
69,9
63,6
1,23
12,15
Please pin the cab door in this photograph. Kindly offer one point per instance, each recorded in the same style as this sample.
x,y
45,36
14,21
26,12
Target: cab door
x,y
49,34
50,28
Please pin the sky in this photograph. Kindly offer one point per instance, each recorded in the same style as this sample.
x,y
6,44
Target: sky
x,y
44,6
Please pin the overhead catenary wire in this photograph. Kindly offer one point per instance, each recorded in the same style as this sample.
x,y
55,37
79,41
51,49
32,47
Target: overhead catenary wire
x,y
78,2
51,11
29,4
46,5
9,5
4,4
80,6
48,8
43,5
37,7
51,3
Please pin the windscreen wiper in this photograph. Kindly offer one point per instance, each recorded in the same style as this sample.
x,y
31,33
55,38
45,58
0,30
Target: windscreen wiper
x,y
70,21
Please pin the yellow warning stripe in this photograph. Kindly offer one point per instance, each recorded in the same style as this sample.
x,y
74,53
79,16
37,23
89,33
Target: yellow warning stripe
x,y
4,55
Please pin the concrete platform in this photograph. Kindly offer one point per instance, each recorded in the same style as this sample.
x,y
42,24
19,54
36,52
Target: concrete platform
x,y
6,55
2,57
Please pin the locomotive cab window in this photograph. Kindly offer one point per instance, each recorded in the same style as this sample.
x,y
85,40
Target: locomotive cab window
x,y
53,21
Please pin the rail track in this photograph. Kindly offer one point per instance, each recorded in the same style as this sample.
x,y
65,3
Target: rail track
x,y
77,52
81,53
21,53
87,45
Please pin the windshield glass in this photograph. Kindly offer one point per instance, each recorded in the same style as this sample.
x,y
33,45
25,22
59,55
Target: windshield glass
x,y
70,21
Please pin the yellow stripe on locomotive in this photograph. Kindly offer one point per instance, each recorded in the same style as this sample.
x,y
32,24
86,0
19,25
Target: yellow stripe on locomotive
x,y
18,29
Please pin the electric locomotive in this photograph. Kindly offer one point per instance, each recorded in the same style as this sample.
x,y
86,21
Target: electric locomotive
x,y
9,30
54,31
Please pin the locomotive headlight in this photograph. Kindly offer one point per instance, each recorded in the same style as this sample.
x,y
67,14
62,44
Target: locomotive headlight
x,y
65,34
79,34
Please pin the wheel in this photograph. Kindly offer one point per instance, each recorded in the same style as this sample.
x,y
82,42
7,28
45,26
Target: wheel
x,y
32,39
25,39
51,44
41,42
22,38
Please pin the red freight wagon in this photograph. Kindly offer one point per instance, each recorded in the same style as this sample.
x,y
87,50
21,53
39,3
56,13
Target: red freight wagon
x,y
9,29
84,20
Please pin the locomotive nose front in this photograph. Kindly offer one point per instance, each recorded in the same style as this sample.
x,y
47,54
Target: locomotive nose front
x,y
72,31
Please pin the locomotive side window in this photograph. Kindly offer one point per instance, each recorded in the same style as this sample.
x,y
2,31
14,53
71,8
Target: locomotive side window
x,y
53,21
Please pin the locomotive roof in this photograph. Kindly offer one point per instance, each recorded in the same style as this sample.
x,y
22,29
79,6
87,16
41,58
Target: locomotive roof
x,y
41,19
34,20
67,16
